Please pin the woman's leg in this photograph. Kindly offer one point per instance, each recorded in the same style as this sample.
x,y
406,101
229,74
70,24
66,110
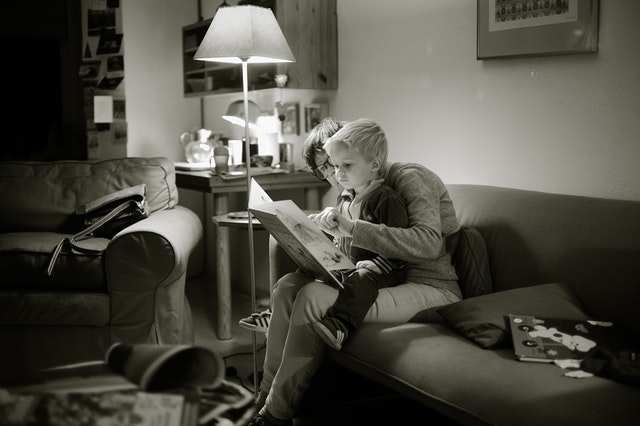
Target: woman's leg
x,y
283,296
401,303
303,350
295,351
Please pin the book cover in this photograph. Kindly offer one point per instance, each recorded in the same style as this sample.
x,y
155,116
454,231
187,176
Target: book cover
x,y
299,236
542,339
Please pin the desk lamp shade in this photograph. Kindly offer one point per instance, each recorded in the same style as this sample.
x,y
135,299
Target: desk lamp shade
x,y
235,114
244,33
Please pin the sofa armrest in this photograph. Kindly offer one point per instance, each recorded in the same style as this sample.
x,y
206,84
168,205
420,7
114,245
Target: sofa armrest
x,y
146,270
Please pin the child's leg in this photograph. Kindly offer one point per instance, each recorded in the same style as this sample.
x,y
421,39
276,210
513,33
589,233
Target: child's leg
x,y
359,293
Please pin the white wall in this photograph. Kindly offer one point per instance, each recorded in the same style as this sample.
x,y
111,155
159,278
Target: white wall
x,y
157,111
566,124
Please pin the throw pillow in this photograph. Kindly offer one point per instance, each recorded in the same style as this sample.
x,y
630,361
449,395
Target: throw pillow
x,y
472,263
484,319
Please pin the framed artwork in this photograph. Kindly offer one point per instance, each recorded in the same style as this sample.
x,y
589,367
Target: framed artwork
x,y
291,123
313,113
536,27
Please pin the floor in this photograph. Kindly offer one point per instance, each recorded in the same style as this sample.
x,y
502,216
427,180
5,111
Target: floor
x,y
376,405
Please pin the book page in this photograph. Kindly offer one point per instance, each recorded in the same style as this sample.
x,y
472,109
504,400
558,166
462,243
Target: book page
x,y
302,239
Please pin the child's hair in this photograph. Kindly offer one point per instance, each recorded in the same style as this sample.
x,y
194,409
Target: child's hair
x,y
365,136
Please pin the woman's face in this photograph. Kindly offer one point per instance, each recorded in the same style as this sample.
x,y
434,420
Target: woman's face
x,y
324,169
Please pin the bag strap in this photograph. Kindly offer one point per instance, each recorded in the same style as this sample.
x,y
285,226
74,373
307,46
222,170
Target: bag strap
x,y
70,241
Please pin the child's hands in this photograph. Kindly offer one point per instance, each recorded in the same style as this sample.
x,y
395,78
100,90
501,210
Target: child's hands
x,y
332,222
368,264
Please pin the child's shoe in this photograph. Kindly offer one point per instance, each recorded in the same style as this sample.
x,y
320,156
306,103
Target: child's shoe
x,y
258,321
332,331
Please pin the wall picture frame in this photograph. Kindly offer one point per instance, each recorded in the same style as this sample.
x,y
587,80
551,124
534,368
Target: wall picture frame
x,y
519,28
313,114
291,123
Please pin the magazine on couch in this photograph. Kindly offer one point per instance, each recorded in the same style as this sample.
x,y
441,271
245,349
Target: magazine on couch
x,y
299,236
543,339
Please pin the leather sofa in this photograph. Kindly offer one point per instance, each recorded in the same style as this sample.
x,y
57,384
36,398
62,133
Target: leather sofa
x,y
522,252
132,292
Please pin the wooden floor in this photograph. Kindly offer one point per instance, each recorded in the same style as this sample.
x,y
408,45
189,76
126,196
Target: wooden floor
x,y
237,352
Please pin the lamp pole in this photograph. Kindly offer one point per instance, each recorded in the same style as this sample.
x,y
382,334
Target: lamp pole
x,y
252,272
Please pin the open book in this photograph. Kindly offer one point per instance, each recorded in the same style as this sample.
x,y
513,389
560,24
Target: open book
x,y
543,339
302,239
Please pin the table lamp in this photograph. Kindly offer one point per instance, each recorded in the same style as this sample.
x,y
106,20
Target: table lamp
x,y
242,35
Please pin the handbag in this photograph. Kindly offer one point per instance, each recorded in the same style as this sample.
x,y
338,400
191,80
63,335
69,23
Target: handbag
x,y
104,217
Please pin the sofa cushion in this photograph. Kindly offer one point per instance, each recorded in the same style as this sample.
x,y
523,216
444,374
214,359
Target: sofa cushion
x,y
484,319
472,263
44,195
24,257
436,366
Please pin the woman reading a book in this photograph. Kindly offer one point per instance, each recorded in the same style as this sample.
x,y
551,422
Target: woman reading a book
x,y
294,350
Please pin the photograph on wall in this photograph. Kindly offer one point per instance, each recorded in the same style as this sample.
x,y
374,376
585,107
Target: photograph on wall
x,y
101,22
115,66
290,125
119,109
313,113
89,69
109,43
536,28
110,83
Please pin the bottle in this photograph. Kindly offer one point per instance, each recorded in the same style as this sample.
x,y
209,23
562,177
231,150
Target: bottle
x,y
221,158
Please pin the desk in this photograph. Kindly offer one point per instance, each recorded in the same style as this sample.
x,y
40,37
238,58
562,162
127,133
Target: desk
x,y
206,182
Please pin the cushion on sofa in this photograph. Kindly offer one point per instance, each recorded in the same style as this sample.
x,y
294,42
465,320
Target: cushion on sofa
x,y
25,256
44,195
472,263
484,319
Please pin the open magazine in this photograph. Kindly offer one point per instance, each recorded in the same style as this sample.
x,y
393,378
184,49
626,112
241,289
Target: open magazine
x,y
543,339
302,239
141,384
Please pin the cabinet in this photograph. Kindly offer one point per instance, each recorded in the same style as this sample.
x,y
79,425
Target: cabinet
x,y
311,29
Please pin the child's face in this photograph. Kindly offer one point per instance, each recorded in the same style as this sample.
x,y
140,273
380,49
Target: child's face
x,y
352,170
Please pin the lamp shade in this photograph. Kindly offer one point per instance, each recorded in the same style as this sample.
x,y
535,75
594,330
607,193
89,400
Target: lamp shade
x,y
244,33
236,114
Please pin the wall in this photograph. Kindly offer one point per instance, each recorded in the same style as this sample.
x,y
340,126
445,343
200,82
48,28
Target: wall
x,y
566,124
157,111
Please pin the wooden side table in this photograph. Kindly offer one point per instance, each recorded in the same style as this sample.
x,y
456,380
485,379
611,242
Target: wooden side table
x,y
205,182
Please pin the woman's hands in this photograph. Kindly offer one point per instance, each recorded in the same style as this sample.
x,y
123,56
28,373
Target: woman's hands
x,y
332,222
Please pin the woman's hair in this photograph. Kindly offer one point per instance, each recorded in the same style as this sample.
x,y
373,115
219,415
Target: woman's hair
x,y
365,137
317,137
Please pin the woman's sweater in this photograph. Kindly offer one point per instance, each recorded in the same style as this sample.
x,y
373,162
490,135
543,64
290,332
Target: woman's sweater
x,y
432,218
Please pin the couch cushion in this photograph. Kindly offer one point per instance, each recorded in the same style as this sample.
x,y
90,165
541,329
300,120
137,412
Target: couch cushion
x,y
484,319
54,308
436,366
44,195
24,257
472,263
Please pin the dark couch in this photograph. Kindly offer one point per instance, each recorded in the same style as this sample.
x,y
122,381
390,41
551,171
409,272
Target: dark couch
x,y
521,252
133,292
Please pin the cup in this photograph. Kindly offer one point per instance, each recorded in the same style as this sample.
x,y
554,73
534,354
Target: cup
x,y
221,159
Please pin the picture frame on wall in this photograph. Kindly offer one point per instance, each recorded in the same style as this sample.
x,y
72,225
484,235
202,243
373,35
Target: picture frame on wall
x,y
313,114
291,123
518,28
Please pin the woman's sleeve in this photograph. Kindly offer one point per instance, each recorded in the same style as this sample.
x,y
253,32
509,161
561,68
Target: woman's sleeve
x,y
427,201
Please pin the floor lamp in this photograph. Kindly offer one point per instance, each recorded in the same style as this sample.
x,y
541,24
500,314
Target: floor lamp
x,y
243,35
